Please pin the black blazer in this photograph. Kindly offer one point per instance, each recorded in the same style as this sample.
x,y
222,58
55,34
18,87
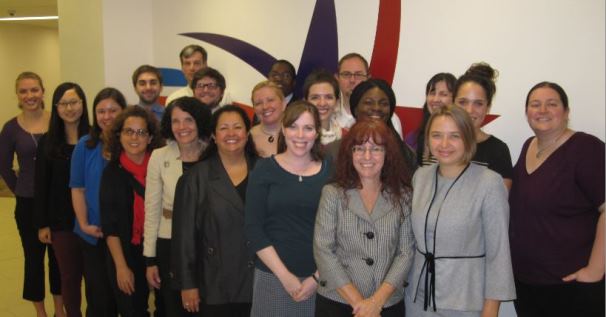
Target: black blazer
x,y
208,246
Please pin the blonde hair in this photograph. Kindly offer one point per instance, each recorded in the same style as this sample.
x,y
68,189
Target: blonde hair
x,y
268,84
463,122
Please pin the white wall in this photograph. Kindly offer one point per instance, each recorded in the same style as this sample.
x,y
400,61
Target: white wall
x,y
26,48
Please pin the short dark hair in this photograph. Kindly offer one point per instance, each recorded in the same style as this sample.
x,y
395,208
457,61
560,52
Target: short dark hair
x,y
292,114
547,84
146,69
208,72
196,109
56,140
350,56
113,146
291,67
250,148
105,93
320,76
189,50
482,74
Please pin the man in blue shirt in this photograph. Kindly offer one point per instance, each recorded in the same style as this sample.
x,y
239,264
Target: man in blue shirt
x,y
147,81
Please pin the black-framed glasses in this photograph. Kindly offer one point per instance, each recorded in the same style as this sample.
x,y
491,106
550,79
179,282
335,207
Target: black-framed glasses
x,y
130,132
209,86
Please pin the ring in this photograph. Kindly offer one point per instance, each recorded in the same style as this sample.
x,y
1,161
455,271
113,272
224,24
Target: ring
x,y
186,304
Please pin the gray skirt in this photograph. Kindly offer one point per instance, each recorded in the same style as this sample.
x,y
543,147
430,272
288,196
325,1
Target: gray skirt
x,y
271,300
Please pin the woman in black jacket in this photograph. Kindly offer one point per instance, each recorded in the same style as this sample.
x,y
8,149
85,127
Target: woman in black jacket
x,y
54,213
211,264
132,137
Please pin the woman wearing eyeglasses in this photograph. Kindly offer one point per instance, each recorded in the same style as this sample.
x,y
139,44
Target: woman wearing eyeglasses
x,y
132,137
208,85
363,242
54,213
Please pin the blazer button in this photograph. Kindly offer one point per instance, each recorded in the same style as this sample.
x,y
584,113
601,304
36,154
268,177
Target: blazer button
x,y
323,283
370,235
250,264
247,243
369,261
211,251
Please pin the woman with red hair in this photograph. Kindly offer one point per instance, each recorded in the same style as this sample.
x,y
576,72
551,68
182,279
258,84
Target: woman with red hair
x,y
363,241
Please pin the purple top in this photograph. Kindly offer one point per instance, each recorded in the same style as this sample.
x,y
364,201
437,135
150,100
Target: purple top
x,y
14,139
554,210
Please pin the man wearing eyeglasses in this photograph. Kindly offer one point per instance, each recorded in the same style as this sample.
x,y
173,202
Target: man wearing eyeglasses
x,y
147,81
352,70
193,58
283,74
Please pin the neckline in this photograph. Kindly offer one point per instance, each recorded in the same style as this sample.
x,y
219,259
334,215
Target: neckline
x,y
554,153
273,159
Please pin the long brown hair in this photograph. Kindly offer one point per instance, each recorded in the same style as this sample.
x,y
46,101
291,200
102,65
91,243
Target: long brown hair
x,y
292,114
395,176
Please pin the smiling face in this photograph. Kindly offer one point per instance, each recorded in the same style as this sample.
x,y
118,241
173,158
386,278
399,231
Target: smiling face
x,y
446,142
351,73
374,104
134,138
438,97
208,92
282,75
148,88
472,97
30,94
183,126
545,111
368,160
301,135
268,106
69,107
106,111
322,95
230,134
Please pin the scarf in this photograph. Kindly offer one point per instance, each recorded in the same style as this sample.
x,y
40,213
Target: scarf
x,y
138,171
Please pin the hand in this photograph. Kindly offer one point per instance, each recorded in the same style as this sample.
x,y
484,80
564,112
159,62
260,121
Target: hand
x,y
367,308
291,284
585,275
126,280
93,230
153,276
191,300
44,235
308,288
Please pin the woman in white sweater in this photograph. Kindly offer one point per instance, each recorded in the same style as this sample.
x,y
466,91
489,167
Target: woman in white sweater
x,y
186,126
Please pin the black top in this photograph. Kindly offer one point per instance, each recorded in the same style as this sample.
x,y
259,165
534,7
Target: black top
x,y
188,165
241,188
53,203
494,154
281,212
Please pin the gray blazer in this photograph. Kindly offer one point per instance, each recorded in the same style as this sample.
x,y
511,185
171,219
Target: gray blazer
x,y
473,221
353,246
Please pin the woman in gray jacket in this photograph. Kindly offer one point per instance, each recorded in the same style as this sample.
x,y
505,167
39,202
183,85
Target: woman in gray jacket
x,y
363,242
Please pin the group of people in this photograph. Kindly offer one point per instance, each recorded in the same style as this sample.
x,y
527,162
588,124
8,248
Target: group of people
x,y
316,206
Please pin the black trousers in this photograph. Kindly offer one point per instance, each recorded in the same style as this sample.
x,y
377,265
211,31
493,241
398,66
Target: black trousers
x,y
33,252
573,299
329,308
99,296
134,305
171,297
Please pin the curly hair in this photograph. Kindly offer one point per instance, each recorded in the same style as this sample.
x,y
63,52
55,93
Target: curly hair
x,y
112,144
199,111
395,176
482,74
292,114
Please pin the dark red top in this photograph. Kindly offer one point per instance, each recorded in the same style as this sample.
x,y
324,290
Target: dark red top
x,y
554,210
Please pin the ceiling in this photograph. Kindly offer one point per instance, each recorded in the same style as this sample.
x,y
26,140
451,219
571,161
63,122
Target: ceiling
x,y
30,8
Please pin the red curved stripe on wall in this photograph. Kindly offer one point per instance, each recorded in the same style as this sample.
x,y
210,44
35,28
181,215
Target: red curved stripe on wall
x,y
387,39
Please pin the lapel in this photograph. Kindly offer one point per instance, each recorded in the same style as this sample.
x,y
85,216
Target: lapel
x,y
380,209
220,183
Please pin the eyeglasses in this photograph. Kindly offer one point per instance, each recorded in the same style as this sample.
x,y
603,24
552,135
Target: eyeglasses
x,y
279,75
139,132
209,86
375,150
71,103
357,76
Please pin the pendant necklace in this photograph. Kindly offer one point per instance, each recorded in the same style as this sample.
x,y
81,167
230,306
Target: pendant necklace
x,y
270,136
547,147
